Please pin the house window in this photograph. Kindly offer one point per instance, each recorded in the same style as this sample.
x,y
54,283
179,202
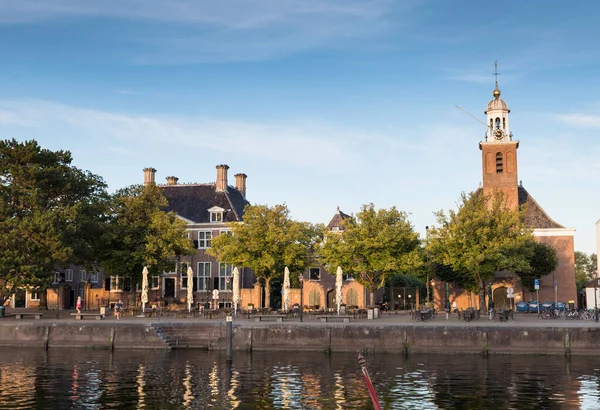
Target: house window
x,y
347,276
314,274
216,216
225,276
68,275
59,277
204,238
155,282
499,163
34,295
82,276
183,269
116,283
94,277
203,276
226,232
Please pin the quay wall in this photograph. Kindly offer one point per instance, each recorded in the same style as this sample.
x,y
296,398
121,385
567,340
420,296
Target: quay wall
x,y
403,339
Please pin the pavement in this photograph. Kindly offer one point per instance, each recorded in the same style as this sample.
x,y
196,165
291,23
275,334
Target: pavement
x,y
394,318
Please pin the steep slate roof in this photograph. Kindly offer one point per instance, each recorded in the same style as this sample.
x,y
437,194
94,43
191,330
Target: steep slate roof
x,y
336,221
192,201
535,217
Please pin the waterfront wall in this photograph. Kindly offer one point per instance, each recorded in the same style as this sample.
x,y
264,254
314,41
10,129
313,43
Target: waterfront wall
x,y
297,337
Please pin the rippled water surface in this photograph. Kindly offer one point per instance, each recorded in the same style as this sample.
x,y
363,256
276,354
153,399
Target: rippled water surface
x,y
91,379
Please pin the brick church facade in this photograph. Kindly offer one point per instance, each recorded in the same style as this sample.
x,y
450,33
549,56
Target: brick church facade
x,y
500,172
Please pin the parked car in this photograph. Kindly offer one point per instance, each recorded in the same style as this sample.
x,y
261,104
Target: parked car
x,y
533,306
522,307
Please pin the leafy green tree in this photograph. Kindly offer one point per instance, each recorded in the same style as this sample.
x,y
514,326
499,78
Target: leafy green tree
x,y
267,241
50,215
585,268
543,261
140,233
373,246
482,237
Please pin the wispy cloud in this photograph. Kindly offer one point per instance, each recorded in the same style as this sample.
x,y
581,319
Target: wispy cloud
x,y
581,120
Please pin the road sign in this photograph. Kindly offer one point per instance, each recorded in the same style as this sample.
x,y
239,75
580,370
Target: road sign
x,y
536,284
510,292
216,294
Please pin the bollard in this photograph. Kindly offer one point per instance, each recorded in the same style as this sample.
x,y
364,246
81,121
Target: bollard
x,y
229,338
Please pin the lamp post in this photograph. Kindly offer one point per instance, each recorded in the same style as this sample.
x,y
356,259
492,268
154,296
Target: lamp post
x,y
596,297
301,279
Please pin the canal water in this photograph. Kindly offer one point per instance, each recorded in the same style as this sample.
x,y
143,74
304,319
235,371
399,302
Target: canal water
x,y
93,379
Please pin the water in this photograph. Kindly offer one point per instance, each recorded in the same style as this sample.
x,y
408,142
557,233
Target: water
x,y
88,379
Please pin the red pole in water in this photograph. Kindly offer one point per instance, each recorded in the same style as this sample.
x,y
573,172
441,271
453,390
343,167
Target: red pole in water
x,y
372,393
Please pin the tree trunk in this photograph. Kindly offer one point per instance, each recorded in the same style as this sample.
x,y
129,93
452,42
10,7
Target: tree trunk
x,y
482,296
44,299
267,293
371,298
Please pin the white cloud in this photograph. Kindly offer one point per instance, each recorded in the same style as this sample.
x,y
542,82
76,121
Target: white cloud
x,y
581,120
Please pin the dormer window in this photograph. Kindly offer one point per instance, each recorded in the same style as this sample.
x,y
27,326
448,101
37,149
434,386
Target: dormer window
x,y
216,214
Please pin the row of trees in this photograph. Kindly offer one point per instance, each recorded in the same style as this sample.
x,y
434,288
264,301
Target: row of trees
x,y
471,244
53,214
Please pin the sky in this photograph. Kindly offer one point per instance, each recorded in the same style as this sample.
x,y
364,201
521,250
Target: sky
x,y
322,103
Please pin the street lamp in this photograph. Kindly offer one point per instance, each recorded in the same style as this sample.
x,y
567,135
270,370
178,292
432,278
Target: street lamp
x,y
301,279
596,297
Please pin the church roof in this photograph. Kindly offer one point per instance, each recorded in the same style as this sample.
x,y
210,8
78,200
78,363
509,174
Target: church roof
x,y
497,104
336,222
535,217
192,201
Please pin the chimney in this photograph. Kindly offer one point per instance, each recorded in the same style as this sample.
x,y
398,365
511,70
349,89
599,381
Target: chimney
x,y
222,178
240,183
149,176
172,180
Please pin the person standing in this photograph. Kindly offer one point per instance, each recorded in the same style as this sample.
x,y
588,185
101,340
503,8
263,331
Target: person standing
x,y
118,307
78,304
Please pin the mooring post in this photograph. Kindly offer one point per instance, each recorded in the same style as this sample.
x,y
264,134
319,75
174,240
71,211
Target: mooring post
x,y
229,338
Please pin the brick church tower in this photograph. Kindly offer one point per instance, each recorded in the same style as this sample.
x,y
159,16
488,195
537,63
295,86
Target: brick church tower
x,y
500,166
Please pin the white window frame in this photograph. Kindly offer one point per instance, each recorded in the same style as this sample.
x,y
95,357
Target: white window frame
x,y
93,277
56,277
82,275
206,239
225,271
34,295
203,277
116,283
68,275
216,216
183,275
226,232
155,282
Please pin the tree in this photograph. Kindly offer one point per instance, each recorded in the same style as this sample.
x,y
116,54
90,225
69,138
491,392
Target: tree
x,y
50,212
543,261
267,241
141,233
585,268
481,238
372,246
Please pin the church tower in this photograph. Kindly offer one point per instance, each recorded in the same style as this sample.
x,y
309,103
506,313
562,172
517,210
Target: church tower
x,y
499,152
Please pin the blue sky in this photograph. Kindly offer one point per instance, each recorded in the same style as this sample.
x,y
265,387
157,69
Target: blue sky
x,y
320,102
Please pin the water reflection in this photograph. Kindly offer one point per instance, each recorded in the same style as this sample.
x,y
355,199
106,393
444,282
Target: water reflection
x,y
84,379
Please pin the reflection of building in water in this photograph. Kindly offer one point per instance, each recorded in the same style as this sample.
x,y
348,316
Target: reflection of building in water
x,y
311,390
141,383
213,382
234,385
18,386
340,391
187,385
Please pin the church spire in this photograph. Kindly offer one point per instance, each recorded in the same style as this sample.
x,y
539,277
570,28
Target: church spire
x,y
497,115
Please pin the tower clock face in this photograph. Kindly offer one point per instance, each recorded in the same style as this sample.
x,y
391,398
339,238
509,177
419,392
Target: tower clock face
x,y
498,134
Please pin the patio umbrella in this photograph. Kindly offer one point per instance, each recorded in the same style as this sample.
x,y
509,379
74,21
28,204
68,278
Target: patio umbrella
x,y
144,297
338,288
190,288
286,288
235,289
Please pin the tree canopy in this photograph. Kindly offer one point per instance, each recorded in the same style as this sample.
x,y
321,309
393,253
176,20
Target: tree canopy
x,y
50,215
372,246
585,268
543,261
141,233
267,241
482,237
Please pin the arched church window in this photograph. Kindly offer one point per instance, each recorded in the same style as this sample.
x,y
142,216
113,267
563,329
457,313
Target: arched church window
x,y
499,163
498,123
503,123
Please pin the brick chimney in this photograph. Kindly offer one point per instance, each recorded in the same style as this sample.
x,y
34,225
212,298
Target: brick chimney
x,y
240,183
172,180
222,178
149,176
